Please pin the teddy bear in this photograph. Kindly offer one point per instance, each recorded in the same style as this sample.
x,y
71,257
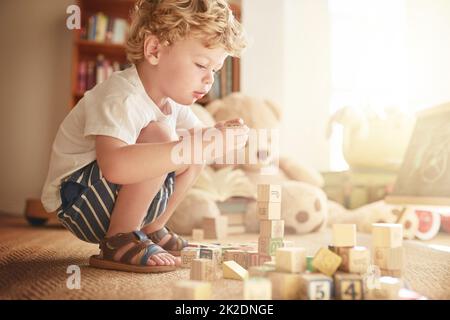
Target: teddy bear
x,y
304,205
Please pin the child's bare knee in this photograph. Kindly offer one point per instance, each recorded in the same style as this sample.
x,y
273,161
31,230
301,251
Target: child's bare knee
x,y
155,132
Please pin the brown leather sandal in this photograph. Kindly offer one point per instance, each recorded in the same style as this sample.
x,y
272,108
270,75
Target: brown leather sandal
x,y
174,245
143,247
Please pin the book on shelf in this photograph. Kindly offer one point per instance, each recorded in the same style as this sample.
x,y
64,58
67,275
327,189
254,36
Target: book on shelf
x,y
103,28
93,72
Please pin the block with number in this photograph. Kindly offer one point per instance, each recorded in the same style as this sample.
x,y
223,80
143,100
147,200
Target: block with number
x,y
198,234
268,246
387,235
192,290
344,235
315,286
285,286
203,269
271,228
291,260
326,261
269,210
187,255
257,289
232,270
349,286
269,193
388,258
216,227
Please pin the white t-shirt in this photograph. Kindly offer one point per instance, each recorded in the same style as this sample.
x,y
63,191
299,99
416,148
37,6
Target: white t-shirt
x,y
118,107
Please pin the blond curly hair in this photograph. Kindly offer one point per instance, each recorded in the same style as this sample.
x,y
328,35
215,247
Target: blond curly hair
x,y
211,21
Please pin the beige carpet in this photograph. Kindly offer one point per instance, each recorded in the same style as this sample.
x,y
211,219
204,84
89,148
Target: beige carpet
x,y
34,261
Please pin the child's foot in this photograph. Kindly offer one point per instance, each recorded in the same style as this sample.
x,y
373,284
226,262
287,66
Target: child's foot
x,y
168,240
158,259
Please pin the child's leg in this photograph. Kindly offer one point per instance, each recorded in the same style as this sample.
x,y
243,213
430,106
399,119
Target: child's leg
x,y
134,200
184,179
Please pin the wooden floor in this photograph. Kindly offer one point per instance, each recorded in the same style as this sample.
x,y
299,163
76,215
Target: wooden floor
x,y
34,263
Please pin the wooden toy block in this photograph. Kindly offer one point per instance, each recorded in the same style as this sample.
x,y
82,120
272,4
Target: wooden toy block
x,y
349,286
344,235
326,261
203,269
269,193
260,271
198,234
232,270
388,289
271,228
269,210
316,286
212,253
291,260
187,255
238,256
216,227
285,286
354,260
388,258
192,290
309,266
252,258
257,289
387,235
268,246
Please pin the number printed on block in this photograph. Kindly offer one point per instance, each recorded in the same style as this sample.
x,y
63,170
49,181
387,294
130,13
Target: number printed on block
x,y
269,193
349,286
316,286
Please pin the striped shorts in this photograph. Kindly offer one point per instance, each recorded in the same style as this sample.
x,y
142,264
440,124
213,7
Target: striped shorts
x,y
88,201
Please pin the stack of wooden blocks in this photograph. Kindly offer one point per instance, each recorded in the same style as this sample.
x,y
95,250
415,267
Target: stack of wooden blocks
x,y
387,246
277,271
271,226
349,281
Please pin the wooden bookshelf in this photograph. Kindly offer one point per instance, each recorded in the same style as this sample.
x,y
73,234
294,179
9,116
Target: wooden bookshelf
x,y
84,50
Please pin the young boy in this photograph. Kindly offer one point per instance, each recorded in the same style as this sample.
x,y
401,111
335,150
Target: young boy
x,y
112,177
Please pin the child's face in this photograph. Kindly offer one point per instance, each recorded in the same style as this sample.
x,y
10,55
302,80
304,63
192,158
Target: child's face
x,y
186,70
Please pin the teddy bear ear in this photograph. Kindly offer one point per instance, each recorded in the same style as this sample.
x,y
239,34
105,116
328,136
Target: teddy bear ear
x,y
275,108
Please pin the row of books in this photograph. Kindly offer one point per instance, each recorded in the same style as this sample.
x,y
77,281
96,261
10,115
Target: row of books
x,y
92,72
102,28
223,81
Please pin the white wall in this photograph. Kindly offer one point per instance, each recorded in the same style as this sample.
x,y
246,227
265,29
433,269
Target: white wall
x,y
288,62
34,94
428,45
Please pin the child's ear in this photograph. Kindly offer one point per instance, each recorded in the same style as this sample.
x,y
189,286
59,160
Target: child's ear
x,y
152,48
